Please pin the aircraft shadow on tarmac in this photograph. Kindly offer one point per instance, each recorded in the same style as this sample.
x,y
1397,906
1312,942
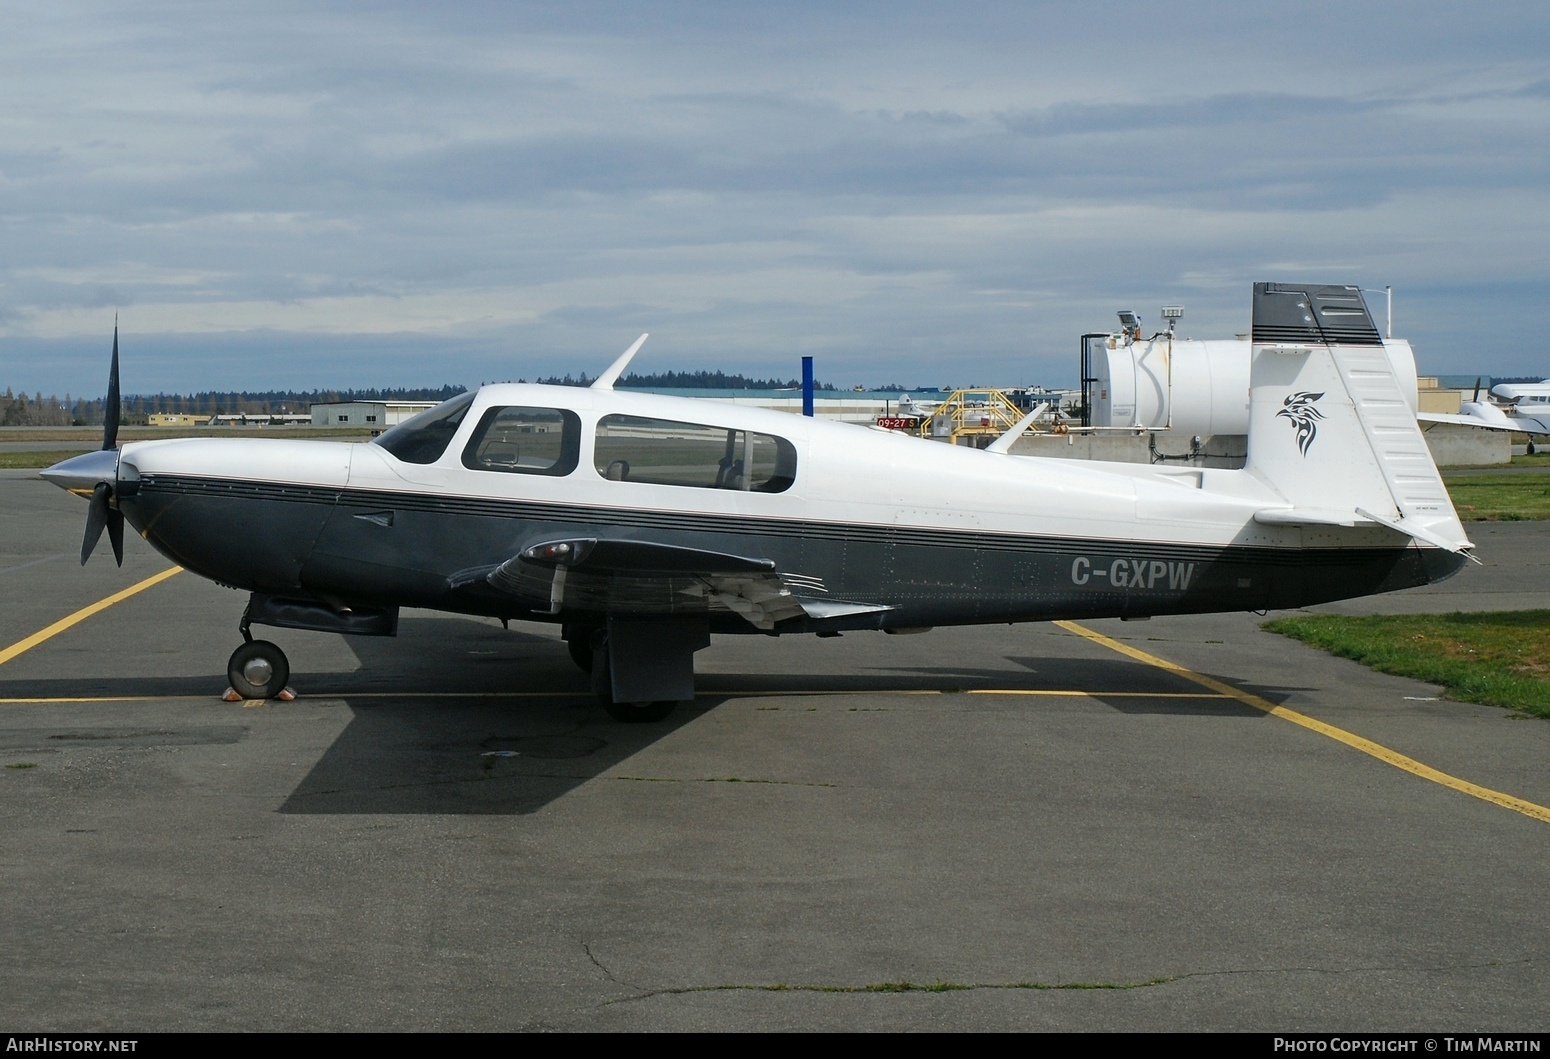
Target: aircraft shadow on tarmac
x,y
436,728
458,716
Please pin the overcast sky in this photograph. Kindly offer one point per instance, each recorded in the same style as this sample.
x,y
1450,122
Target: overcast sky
x,y
384,195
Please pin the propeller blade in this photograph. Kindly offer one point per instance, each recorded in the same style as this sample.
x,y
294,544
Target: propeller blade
x,y
116,534
1476,398
96,518
111,408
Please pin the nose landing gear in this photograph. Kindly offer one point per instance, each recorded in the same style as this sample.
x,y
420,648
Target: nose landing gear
x,y
258,670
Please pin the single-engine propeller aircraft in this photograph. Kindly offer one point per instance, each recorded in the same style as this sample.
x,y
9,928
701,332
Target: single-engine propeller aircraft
x,y
640,524
1522,408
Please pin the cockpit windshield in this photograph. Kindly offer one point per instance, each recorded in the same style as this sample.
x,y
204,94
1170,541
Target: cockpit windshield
x,y
425,437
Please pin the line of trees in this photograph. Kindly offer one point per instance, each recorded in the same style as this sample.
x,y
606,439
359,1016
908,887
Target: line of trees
x,y
36,410
687,380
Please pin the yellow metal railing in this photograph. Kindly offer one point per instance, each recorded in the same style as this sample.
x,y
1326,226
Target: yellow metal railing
x,y
971,413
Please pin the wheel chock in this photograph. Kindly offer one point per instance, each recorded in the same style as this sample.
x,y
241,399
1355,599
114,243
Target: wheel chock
x,y
286,695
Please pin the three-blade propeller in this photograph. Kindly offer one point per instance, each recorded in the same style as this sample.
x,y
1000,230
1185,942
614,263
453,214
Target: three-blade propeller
x,y
103,514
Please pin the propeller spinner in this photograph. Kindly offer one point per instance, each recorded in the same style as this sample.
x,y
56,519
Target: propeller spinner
x,y
95,475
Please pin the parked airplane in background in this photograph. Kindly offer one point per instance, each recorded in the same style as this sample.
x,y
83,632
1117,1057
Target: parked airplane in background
x,y
1527,405
1523,407
640,524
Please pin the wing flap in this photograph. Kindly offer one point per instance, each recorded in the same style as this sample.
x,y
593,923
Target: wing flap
x,y
821,609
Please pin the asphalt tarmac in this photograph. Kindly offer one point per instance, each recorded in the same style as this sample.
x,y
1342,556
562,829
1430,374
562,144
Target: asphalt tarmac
x,y
1033,829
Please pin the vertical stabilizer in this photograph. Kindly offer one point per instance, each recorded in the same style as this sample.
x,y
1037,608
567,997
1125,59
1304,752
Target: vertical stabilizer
x,y
1330,427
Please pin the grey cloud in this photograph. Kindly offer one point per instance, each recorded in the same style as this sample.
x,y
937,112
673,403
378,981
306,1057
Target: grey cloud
x,y
1070,119
936,185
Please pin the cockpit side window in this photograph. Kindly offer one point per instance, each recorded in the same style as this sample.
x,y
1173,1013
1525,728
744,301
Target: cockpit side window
x,y
664,452
521,440
425,437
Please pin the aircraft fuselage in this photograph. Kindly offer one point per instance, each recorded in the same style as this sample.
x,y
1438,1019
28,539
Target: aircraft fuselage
x,y
919,532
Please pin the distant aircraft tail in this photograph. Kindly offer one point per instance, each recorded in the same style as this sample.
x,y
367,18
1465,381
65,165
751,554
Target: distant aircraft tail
x,y
1330,428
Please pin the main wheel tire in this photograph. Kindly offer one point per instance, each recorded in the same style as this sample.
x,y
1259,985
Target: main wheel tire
x,y
258,670
603,688
638,712
580,647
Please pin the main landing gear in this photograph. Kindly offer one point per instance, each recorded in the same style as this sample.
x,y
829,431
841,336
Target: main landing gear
x,y
640,670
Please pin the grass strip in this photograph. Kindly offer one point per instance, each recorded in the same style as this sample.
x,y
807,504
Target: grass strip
x,y
15,461
38,460
1496,659
1499,497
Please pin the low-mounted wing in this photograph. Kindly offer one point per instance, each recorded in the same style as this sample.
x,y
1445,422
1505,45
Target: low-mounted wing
x,y
643,578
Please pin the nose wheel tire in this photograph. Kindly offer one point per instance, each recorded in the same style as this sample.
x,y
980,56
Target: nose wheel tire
x,y
258,670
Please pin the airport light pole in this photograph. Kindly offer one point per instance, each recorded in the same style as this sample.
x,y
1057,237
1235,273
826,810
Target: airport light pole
x,y
1387,292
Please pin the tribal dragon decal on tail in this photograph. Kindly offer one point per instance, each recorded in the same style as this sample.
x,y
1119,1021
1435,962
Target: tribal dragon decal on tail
x,y
1299,409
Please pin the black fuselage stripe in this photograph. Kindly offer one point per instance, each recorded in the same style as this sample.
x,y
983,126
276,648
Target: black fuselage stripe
x,y
739,525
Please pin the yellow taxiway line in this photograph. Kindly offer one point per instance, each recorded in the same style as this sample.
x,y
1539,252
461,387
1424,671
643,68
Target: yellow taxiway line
x,y
335,696
81,615
1356,742
1217,689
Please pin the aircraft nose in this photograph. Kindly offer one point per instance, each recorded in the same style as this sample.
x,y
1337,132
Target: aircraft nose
x,y
80,474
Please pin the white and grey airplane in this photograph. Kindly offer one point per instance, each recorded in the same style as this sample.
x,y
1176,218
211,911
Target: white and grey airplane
x,y
1526,404
1520,407
640,524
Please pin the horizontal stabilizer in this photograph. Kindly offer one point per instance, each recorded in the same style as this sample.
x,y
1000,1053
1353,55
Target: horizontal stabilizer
x,y
1411,528
1303,516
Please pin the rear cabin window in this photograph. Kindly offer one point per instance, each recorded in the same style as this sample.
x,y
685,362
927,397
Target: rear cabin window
x,y
425,437
663,452
521,440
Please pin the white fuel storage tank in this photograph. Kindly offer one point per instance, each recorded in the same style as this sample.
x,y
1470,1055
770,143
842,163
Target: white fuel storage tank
x,y
1186,385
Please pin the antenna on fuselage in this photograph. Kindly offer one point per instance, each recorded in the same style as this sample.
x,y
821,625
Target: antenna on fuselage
x,y
606,380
